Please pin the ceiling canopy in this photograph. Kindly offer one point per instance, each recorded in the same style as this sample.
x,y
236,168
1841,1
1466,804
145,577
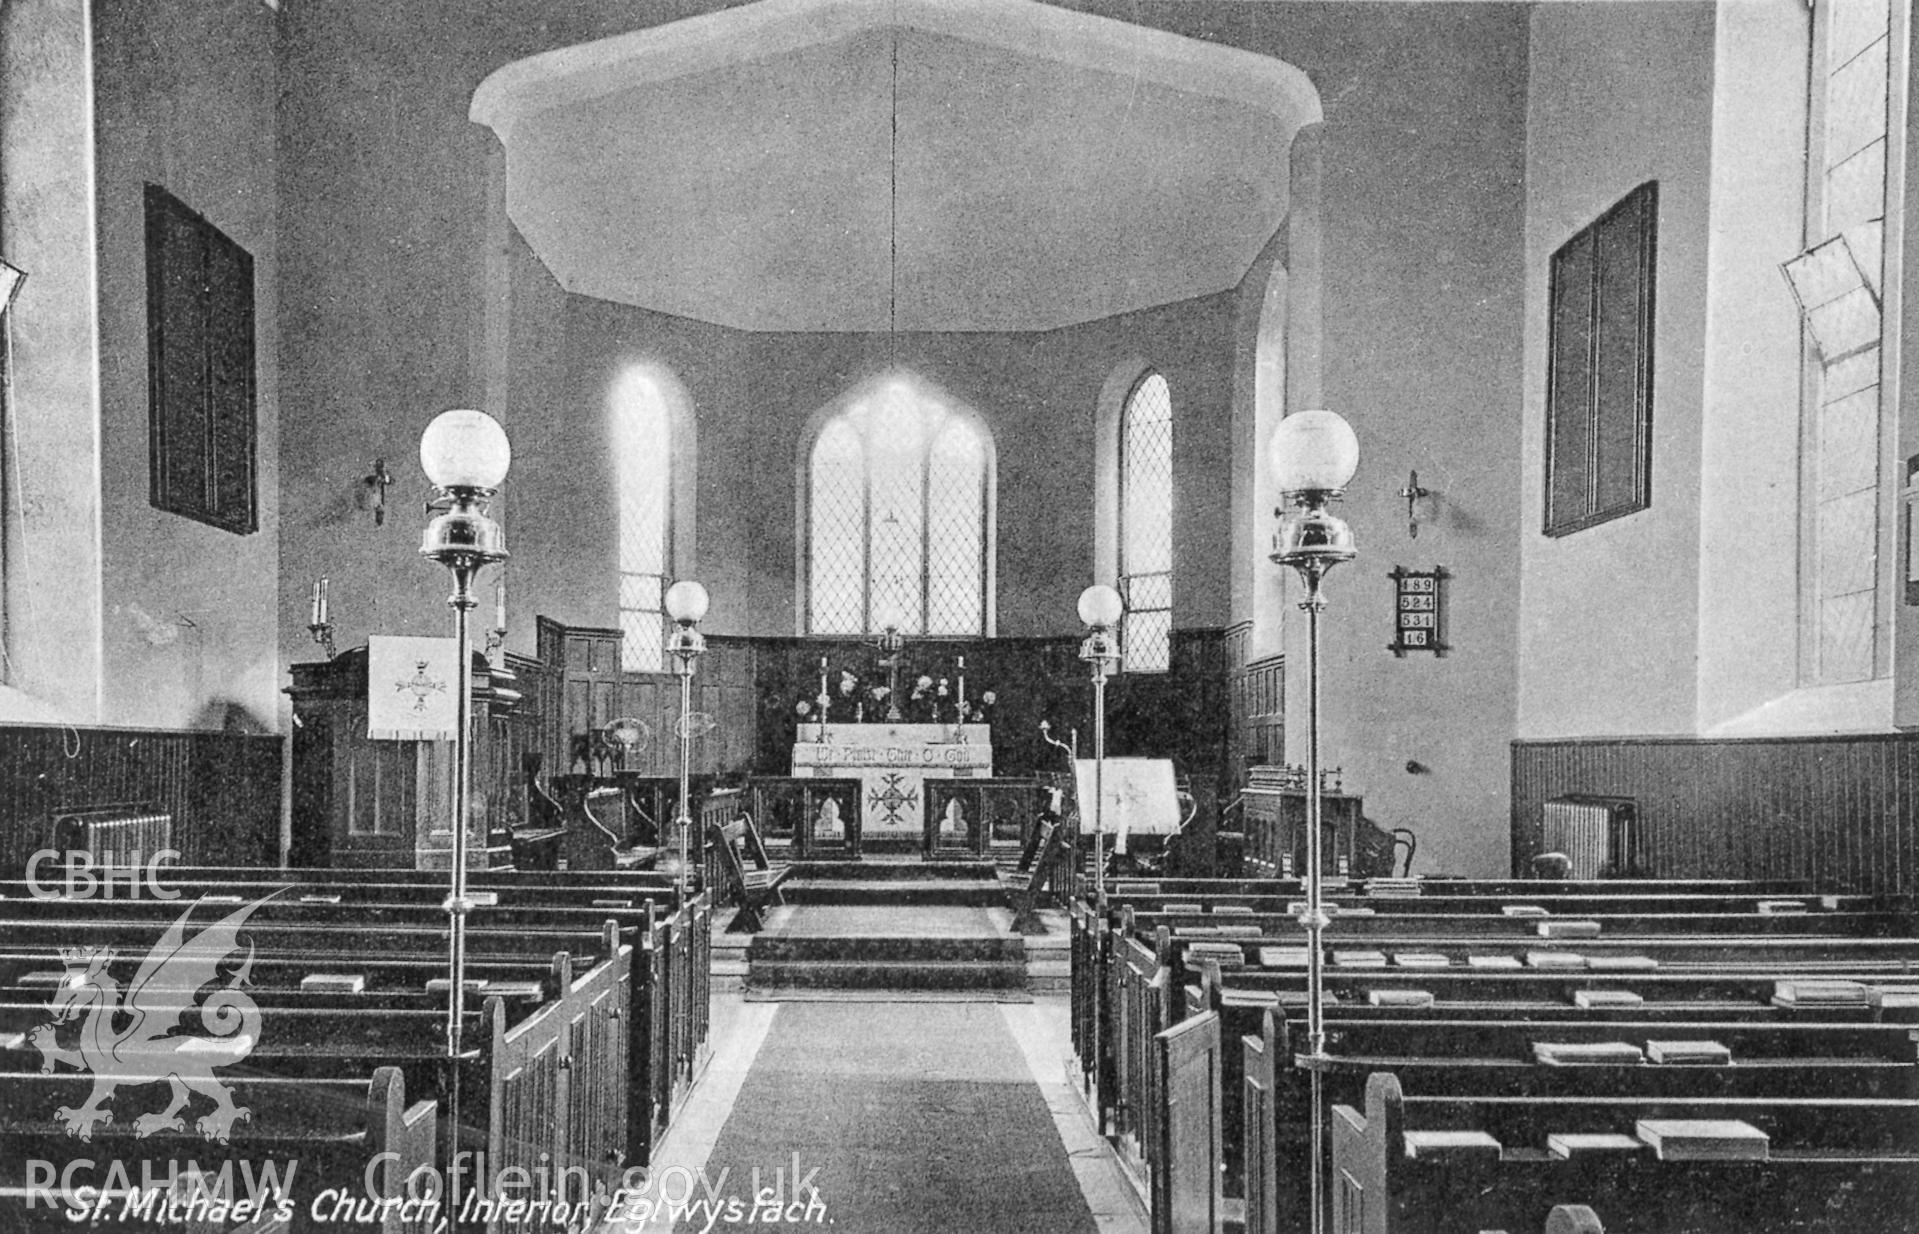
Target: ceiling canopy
x,y
825,164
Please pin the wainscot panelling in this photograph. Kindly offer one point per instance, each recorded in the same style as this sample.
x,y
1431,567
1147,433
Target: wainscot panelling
x,y
1835,811
222,789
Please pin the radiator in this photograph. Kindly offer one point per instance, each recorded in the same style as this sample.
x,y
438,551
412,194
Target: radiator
x,y
114,834
1596,832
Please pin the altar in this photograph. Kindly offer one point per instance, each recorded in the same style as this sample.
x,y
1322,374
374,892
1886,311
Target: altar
x,y
892,762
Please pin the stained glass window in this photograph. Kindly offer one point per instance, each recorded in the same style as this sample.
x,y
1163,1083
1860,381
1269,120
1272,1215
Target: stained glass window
x,y
1146,526
897,519
643,445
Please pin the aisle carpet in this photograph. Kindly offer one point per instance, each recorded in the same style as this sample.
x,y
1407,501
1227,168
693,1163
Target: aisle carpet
x,y
918,1116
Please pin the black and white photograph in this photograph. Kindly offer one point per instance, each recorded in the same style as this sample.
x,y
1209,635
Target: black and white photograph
x,y
958,617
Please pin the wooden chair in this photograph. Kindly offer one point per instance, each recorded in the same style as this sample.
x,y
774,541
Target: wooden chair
x,y
1037,865
744,866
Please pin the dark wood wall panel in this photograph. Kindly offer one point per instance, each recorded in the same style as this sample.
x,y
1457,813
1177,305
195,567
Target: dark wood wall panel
x,y
1184,714
1837,811
222,789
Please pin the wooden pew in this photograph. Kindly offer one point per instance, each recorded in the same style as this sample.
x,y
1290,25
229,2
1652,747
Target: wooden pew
x,y
332,1127
1834,1164
668,978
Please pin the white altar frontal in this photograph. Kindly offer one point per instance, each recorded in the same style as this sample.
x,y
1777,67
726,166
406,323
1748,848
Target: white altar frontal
x,y
892,763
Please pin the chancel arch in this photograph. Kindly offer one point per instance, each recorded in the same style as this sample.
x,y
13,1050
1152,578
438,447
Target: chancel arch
x,y
896,487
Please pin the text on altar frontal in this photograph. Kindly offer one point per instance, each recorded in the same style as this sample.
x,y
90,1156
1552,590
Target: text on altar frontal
x,y
815,755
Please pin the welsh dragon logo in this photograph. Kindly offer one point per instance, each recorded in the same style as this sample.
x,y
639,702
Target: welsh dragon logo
x,y
132,1039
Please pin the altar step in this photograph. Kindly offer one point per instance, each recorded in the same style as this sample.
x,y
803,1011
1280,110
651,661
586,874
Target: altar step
x,y
898,947
906,884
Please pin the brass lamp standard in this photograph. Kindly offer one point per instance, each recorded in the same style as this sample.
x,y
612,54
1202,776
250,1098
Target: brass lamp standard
x,y
465,455
686,603
1314,455
1100,609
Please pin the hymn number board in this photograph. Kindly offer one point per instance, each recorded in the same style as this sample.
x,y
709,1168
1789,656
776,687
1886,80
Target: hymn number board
x,y
1419,610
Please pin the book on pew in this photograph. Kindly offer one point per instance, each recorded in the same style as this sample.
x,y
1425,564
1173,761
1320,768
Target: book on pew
x,y
338,983
13,1041
1818,992
1420,959
1606,998
1555,959
1207,947
1494,961
1195,931
1283,957
1393,888
1136,889
1232,910
1577,1053
1704,1139
332,899
1451,1144
612,904
1568,929
1400,998
1359,959
1295,908
1776,908
1603,963
1576,1143
1705,1052
1246,931
1182,908
1523,910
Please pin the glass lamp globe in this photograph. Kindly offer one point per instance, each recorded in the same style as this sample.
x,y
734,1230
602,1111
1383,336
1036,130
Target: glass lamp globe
x,y
686,602
464,448
1313,451
1100,607
890,617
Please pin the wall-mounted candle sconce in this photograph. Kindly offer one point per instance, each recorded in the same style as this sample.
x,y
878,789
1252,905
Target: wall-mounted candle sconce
x,y
377,481
1412,493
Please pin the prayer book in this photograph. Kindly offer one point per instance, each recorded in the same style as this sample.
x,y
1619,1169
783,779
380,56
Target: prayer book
x,y
1555,959
1400,998
1620,963
1774,908
1360,959
1523,910
1420,959
1568,929
1574,1143
1494,961
320,899
1687,1052
1704,1139
1450,1144
341,983
1283,957
1606,998
1801,992
1563,1053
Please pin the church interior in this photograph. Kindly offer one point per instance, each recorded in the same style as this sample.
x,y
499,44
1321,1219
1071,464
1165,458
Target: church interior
x,y
957,615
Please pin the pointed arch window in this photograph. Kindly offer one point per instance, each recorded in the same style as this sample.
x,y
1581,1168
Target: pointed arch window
x,y
643,444
1146,525
897,519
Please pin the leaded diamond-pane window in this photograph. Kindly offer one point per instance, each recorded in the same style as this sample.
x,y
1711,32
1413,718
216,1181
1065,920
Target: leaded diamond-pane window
x,y
642,437
897,519
1146,526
